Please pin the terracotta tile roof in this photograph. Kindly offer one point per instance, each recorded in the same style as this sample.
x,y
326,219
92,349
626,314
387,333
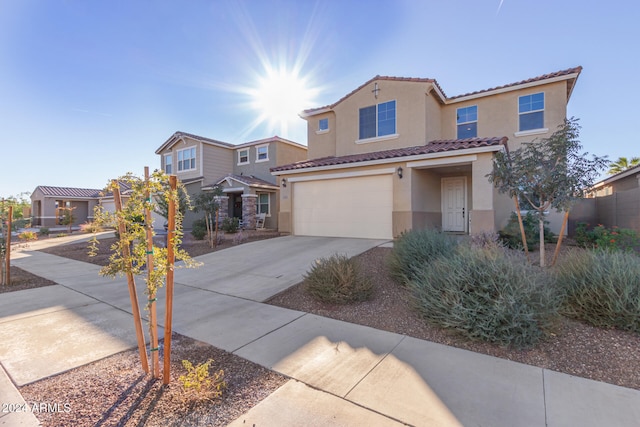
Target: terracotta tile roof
x,y
569,71
249,180
71,192
437,146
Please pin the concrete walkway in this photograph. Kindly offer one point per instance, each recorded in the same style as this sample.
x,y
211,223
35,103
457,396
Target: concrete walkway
x,y
341,374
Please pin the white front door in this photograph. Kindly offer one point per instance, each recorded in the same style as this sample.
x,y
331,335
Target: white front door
x,y
454,209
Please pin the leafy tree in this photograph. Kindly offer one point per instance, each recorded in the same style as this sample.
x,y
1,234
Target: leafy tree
x,y
550,173
622,164
134,250
207,202
68,218
162,205
19,203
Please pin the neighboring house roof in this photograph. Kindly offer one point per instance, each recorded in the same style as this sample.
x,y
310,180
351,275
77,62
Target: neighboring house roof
x,y
620,175
178,136
275,138
570,74
69,192
250,181
438,146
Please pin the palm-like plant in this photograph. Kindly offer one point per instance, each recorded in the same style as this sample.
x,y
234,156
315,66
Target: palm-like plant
x,y
622,164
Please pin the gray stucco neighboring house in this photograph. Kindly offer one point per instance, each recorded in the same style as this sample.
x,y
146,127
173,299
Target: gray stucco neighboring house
x,y
243,171
47,204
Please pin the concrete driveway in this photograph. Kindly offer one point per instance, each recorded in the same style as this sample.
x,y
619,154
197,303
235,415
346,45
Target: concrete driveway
x,y
259,270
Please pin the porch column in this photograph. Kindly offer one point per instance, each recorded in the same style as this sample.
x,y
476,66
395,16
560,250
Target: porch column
x,y
223,202
482,212
249,203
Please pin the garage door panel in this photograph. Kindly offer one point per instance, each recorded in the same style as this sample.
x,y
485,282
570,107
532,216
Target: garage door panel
x,y
348,207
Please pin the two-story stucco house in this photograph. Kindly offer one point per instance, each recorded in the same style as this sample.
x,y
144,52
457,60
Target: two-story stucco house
x,y
243,172
397,154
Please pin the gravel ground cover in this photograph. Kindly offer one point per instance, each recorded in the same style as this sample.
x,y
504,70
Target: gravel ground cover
x,y
113,391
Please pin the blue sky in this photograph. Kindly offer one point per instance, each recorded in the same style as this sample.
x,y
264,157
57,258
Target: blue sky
x,y
90,89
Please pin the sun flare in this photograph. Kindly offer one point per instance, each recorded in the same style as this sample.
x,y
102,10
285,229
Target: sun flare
x,y
279,96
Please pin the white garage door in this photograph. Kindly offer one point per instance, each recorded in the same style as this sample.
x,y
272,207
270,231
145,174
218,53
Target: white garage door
x,y
346,207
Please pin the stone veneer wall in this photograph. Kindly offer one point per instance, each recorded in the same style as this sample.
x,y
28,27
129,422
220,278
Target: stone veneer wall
x,y
249,203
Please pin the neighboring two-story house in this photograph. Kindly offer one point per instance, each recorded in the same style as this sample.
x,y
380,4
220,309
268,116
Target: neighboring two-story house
x,y
397,154
243,172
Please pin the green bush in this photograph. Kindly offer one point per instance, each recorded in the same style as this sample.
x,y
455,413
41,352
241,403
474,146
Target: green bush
x,y
415,248
602,288
230,225
199,229
337,280
487,294
617,239
510,235
44,231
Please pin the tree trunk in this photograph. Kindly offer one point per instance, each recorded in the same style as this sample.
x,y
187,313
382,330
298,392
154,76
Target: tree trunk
x,y
522,233
133,296
542,254
7,270
560,237
171,241
153,315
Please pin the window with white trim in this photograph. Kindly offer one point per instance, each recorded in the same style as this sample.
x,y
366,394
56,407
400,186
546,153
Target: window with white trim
x,y
187,159
243,156
531,111
168,166
262,153
323,125
263,204
467,122
377,120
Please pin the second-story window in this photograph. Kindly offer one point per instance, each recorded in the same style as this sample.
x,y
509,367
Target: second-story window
x,y
377,120
187,159
531,111
243,156
323,125
168,166
262,153
467,122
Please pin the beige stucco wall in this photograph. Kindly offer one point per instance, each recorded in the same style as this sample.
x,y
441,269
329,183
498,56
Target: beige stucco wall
x,y
498,114
321,144
411,101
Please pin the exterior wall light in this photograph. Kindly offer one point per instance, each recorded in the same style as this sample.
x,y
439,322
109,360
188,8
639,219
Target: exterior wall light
x,y
284,182
399,172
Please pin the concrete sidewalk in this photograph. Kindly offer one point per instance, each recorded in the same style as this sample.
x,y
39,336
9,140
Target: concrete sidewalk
x,y
342,373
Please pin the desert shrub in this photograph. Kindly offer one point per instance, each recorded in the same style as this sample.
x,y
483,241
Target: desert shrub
x,y
338,280
487,294
617,239
90,227
28,236
486,240
602,288
230,225
44,231
199,229
199,380
61,235
415,248
240,238
510,235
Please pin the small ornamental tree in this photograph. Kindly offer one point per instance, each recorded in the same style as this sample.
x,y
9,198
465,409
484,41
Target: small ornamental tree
x,y
67,218
207,202
135,251
550,173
